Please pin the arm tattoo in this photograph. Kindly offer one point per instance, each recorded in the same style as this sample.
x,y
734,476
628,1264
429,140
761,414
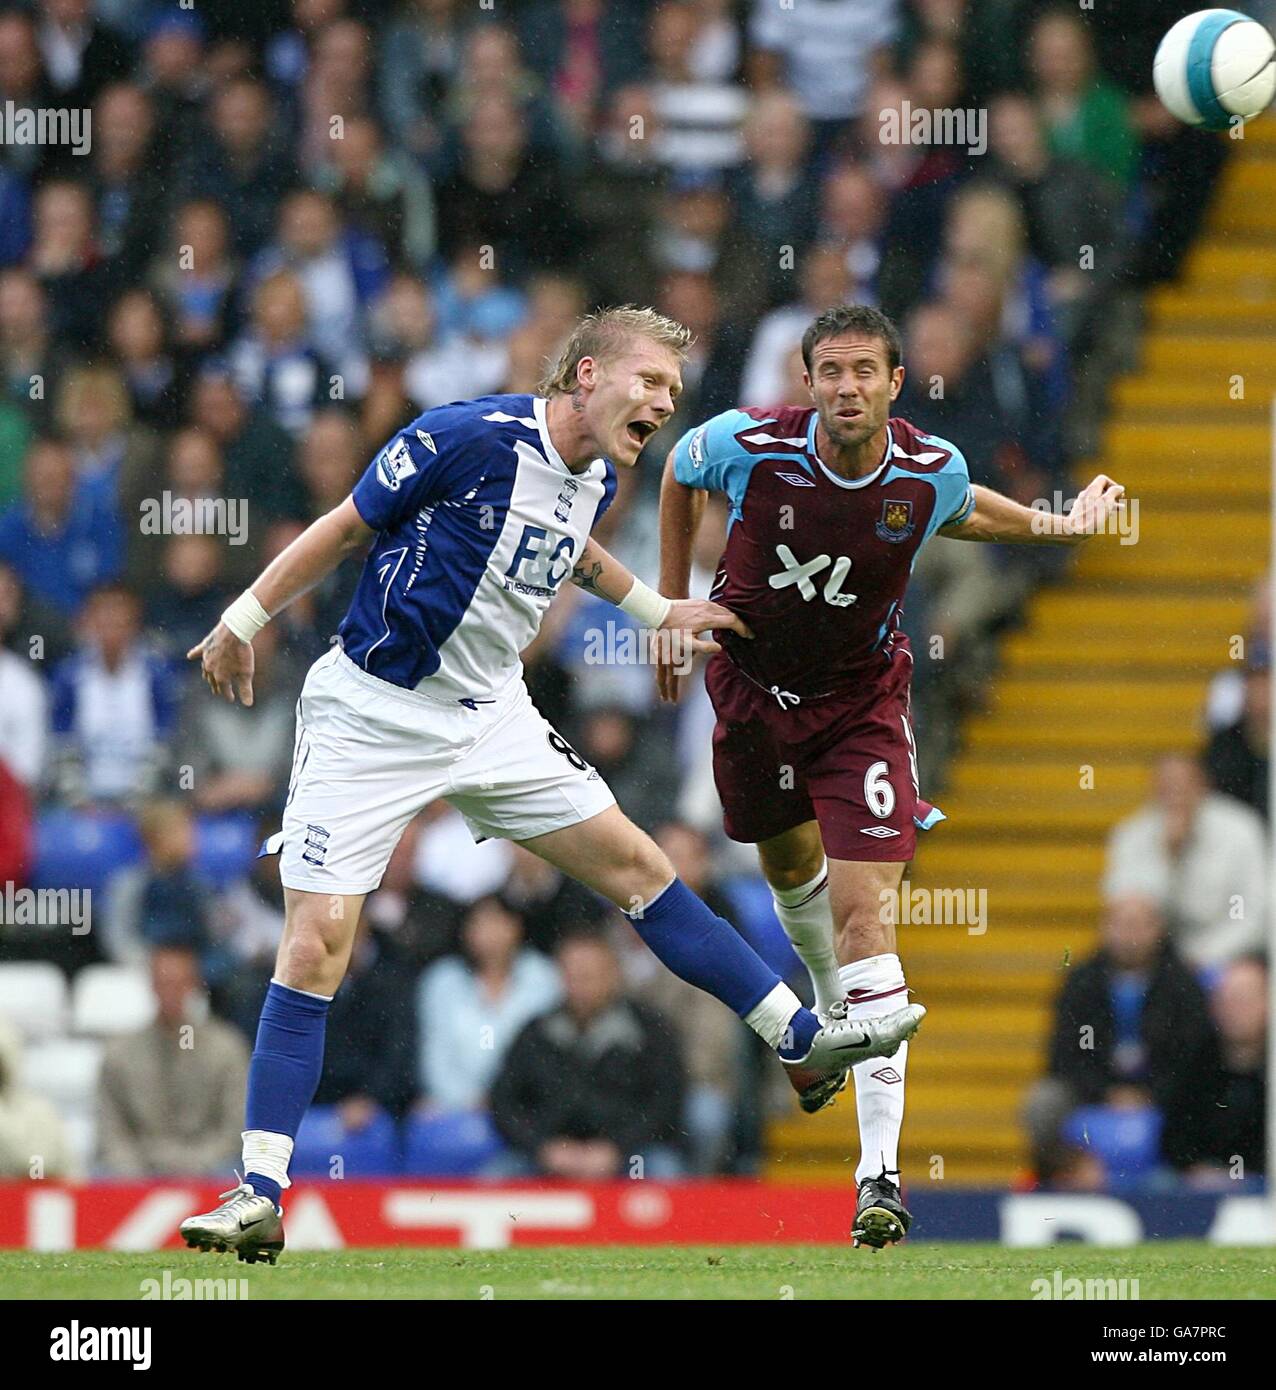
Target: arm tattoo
x,y
586,575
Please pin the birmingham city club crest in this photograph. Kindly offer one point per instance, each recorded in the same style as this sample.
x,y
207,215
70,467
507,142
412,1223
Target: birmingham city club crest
x,y
896,523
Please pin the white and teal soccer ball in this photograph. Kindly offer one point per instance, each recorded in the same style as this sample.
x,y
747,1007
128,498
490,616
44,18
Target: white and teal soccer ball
x,y
1215,66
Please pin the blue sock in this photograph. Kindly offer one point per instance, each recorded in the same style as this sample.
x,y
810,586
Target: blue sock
x,y
283,1074
702,949
264,1187
801,1032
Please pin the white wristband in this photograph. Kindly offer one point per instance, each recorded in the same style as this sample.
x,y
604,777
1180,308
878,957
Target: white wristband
x,y
246,617
645,604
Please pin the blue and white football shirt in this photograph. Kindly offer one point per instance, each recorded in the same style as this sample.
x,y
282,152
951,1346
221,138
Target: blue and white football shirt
x,y
479,521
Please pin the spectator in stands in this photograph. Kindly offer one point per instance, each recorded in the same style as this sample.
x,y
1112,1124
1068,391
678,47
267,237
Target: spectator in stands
x,y
24,703
334,91
1067,206
171,1097
1132,1030
948,390
825,280
63,538
193,594
178,72
1237,1134
80,55
471,1007
1236,760
68,262
1087,116
33,1144
31,359
826,55
711,373
581,49
275,362
259,453
153,373
162,901
499,189
852,216
24,81
127,186
339,271
420,54
114,705
249,918
240,166
196,277
370,1059
1225,702
696,232
699,110
773,192
1202,855
114,458
380,194
593,1088
238,759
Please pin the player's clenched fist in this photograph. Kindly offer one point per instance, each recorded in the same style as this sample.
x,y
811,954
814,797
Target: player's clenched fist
x,y
1095,503
226,664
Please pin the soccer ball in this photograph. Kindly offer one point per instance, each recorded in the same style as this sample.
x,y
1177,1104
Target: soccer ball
x,y
1214,67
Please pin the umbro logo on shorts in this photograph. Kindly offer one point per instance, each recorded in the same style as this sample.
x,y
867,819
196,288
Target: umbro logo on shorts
x,y
879,832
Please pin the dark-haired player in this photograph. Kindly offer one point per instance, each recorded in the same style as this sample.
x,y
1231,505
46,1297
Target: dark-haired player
x,y
813,750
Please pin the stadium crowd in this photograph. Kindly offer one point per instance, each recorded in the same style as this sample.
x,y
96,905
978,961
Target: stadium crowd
x,y
300,224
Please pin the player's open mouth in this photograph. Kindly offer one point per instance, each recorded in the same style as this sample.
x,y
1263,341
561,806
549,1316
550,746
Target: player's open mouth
x,y
640,431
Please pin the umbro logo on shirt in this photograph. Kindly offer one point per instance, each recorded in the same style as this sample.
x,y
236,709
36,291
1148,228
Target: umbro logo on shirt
x,y
427,440
879,832
796,479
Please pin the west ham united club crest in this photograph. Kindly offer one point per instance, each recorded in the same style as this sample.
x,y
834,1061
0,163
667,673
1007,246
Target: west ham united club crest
x,y
897,521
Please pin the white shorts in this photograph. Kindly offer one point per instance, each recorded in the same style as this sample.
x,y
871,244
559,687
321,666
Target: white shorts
x,y
369,756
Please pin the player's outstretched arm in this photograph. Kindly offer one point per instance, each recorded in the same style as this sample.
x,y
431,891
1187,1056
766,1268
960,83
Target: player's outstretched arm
x,y
226,654
681,512
598,572
999,518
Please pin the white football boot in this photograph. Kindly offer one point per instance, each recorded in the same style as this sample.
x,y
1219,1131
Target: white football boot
x,y
841,1042
246,1223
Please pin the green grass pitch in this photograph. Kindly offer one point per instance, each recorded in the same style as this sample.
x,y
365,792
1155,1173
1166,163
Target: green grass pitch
x,y
1186,1269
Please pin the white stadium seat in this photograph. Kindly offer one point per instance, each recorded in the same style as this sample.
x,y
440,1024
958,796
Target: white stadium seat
x,y
111,999
64,1071
33,997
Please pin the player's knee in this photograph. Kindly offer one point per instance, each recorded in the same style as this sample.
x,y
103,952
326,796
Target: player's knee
x,y
315,941
794,874
645,870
